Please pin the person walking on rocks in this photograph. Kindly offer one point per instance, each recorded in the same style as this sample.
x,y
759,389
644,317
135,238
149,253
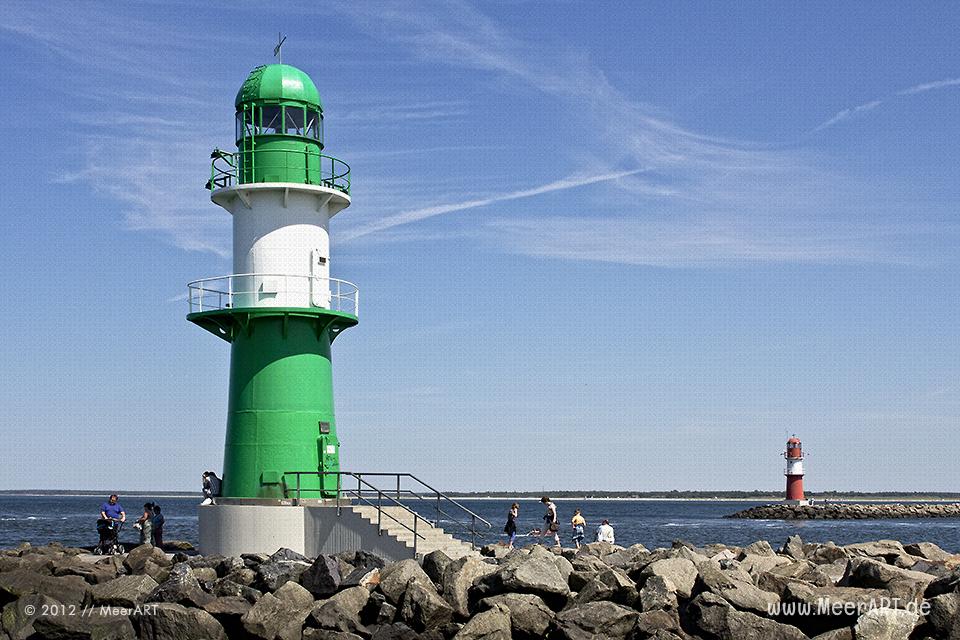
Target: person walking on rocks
x,y
578,523
511,527
551,523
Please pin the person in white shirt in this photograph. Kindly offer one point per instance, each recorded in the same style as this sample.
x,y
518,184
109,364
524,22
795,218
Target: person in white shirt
x,y
551,523
605,532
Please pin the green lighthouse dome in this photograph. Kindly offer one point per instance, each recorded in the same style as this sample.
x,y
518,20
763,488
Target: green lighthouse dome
x,y
278,83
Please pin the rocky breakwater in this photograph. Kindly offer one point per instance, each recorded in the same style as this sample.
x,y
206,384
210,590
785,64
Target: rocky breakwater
x,y
849,511
870,591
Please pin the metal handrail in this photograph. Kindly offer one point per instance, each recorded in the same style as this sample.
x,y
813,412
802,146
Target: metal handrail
x,y
399,491
230,292
226,169
359,495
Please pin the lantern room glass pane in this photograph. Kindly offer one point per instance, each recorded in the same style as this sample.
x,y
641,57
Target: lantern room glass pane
x,y
270,120
313,125
248,122
293,120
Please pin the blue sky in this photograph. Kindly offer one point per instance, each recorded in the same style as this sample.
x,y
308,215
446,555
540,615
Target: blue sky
x,y
597,247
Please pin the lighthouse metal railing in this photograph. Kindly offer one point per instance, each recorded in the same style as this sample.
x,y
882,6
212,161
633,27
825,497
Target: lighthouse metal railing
x,y
404,489
306,166
254,290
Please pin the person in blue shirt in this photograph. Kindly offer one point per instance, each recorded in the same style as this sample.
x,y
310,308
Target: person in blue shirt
x,y
113,510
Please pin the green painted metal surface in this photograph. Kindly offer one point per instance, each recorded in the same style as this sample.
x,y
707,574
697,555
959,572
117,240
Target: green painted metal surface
x,y
278,82
280,415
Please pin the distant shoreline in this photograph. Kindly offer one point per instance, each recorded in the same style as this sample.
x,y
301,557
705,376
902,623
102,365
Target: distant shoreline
x,y
562,496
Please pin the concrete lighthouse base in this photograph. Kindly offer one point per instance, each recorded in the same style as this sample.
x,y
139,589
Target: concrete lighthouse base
x,y
234,529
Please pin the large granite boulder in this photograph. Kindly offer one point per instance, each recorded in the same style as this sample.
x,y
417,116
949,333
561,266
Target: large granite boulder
x,y
394,578
944,615
530,617
422,608
180,588
125,591
492,624
595,620
169,621
885,624
18,616
69,590
714,617
341,612
228,611
680,574
458,576
905,586
657,594
138,561
434,564
279,615
526,573
322,578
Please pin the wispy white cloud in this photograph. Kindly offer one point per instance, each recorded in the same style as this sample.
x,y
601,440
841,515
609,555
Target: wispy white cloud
x,y
415,215
929,86
846,114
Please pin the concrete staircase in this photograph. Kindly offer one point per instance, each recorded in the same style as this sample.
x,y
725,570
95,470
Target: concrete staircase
x,y
433,537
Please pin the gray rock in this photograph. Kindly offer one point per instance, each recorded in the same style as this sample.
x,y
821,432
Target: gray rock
x,y
69,590
596,620
225,587
885,549
92,573
755,564
598,549
168,621
680,574
620,587
394,578
626,557
341,612
530,617
843,633
806,571
904,585
526,573
492,624
885,624
322,578
826,553
272,574
18,616
793,548
229,611
326,634
458,576
422,608
579,579
368,577
395,631
136,561
758,548
657,594
125,591
713,616
180,588
927,550
593,591
652,623
434,564
944,615
273,618
93,625
287,555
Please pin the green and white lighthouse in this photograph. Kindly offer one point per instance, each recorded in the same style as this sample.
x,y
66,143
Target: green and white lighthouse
x,y
280,310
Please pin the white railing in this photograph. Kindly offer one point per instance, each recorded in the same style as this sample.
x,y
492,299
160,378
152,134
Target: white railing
x,y
246,290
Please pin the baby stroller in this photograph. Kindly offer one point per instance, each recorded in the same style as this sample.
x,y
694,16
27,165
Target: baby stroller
x,y
109,531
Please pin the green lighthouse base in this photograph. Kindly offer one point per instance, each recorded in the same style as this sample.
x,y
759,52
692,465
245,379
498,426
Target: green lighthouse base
x,y
281,432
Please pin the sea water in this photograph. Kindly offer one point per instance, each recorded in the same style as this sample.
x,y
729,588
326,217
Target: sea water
x,y
71,520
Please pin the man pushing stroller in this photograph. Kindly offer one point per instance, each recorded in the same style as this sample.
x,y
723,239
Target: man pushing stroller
x,y
112,517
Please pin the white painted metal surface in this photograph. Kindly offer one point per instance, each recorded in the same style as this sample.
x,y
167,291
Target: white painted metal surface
x,y
794,467
246,290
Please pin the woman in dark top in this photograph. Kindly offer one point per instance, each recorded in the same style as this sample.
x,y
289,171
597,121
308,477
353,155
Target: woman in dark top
x,y
157,527
511,527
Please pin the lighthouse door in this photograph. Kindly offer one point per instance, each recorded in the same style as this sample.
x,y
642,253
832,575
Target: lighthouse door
x,y
319,280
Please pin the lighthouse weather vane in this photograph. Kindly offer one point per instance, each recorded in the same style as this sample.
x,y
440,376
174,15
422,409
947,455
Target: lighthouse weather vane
x,y
278,50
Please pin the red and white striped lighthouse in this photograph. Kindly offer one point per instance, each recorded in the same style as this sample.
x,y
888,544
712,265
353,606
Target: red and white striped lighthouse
x,y
794,472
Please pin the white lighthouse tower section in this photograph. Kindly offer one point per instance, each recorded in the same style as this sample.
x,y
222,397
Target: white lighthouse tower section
x,y
281,243
794,467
